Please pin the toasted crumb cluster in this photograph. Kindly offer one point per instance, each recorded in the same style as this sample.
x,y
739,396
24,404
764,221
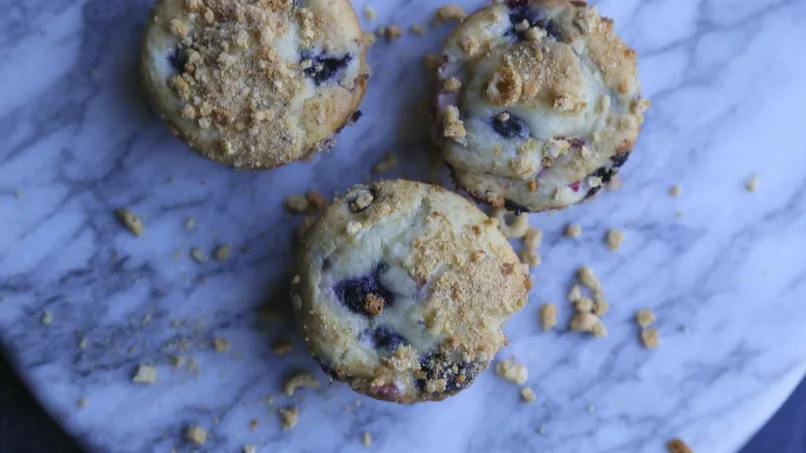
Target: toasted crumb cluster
x,y
678,446
614,239
254,84
548,316
446,13
589,310
528,395
196,435
649,335
511,371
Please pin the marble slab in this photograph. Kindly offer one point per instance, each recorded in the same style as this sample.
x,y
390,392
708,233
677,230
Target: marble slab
x,y
723,268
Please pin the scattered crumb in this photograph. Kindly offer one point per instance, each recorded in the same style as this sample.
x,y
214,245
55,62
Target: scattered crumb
x,y
82,402
190,223
198,255
176,361
588,322
220,344
675,191
145,375
417,29
573,230
511,371
432,61
388,162
249,449
600,307
528,394
296,203
530,258
130,221
645,318
367,439
353,227
541,430
533,238
281,347
616,183
591,408
316,199
83,343
452,84
196,435
614,239
584,305
17,194
447,13
575,294
515,230
650,338
589,279
176,255
752,184
548,316
290,417
369,38
370,13
392,32
300,379
679,213
678,446
222,252
47,318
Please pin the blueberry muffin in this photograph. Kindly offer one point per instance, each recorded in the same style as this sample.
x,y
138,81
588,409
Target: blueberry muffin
x,y
539,103
401,290
254,84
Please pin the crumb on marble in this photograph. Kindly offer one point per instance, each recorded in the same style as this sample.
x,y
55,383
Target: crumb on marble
x,y
130,221
600,307
589,279
573,231
675,191
432,61
530,257
195,434
82,402
249,449
176,361
588,322
83,343
47,318
591,408
281,346
528,395
370,13
650,338
145,375
418,30
366,439
446,13
575,294
190,223
614,239
198,255
678,446
296,203
533,237
387,163
316,200
645,318
220,344
290,417
752,183
300,379
392,32
548,316
369,38
584,305
512,372
222,252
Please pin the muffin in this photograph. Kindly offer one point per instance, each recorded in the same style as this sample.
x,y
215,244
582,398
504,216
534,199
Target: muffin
x,y
254,84
401,289
539,104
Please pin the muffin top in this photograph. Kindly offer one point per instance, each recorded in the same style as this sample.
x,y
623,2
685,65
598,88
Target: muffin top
x,y
254,84
539,100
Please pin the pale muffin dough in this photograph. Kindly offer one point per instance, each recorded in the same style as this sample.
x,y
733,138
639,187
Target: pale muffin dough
x,y
401,290
254,84
548,106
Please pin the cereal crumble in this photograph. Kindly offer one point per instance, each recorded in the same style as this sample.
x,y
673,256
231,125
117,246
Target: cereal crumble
x,y
512,372
548,316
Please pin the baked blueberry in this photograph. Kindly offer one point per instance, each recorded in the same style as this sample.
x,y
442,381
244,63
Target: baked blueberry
x,y
386,340
322,68
510,126
359,293
534,17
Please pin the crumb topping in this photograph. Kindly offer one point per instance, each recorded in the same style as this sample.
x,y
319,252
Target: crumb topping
x,y
512,372
678,446
289,417
528,395
650,338
614,239
196,435
645,318
573,231
447,13
548,316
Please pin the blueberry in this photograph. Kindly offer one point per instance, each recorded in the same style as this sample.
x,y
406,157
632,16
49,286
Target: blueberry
x,y
520,11
510,205
353,292
324,68
387,340
327,368
458,375
512,127
178,60
607,172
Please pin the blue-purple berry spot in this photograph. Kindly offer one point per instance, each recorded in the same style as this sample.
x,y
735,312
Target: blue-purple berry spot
x,y
607,172
437,366
353,292
521,10
386,340
178,60
324,68
512,127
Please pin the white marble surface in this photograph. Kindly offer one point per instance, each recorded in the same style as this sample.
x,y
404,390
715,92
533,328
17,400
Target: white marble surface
x,y
726,81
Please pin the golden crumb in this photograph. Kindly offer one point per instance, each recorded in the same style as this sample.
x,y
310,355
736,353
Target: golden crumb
x,y
645,317
548,316
432,61
511,371
530,258
447,13
417,29
198,255
589,279
675,191
453,127
369,38
588,322
281,347
145,375
290,417
573,230
678,446
504,86
195,434
575,294
392,32
366,439
220,344
533,237
600,307
222,252
614,239
316,199
130,221
353,227
528,394
752,184
178,28
47,318
82,402
373,305
650,338
300,379
452,84
296,203
584,305
370,13
387,163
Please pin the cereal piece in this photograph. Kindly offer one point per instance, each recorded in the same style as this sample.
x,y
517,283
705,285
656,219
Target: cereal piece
x,y
145,375
198,255
452,84
678,446
588,322
752,184
281,347
195,434
575,295
178,28
417,29
614,239
300,379
511,371
675,191
600,307
387,163
548,316
528,395
366,439
530,258
516,229
290,417
584,305
296,203
650,338
316,199
573,230
588,279
454,127
220,344
373,305
370,13
47,318
130,221
504,87
447,13
222,252
392,32
645,318
353,227
369,38
533,237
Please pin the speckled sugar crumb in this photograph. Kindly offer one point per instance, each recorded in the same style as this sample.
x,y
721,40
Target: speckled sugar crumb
x,y
222,252
511,371
370,13
145,375
387,163
645,318
290,417
296,203
281,347
447,13
650,338
573,231
548,316
678,446
130,221
675,191
614,239
752,183
220,344
300,379
196,435
528,394
575,294
47,318
366,439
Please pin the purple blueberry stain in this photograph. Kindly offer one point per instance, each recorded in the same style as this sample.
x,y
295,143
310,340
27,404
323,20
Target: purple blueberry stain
x,y
607,172
457,374
323,68
516,208
511,127
353,292
521,10
178,60
387,340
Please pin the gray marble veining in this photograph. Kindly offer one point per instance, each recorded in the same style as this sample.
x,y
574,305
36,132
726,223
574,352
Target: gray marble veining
x,y
725,78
